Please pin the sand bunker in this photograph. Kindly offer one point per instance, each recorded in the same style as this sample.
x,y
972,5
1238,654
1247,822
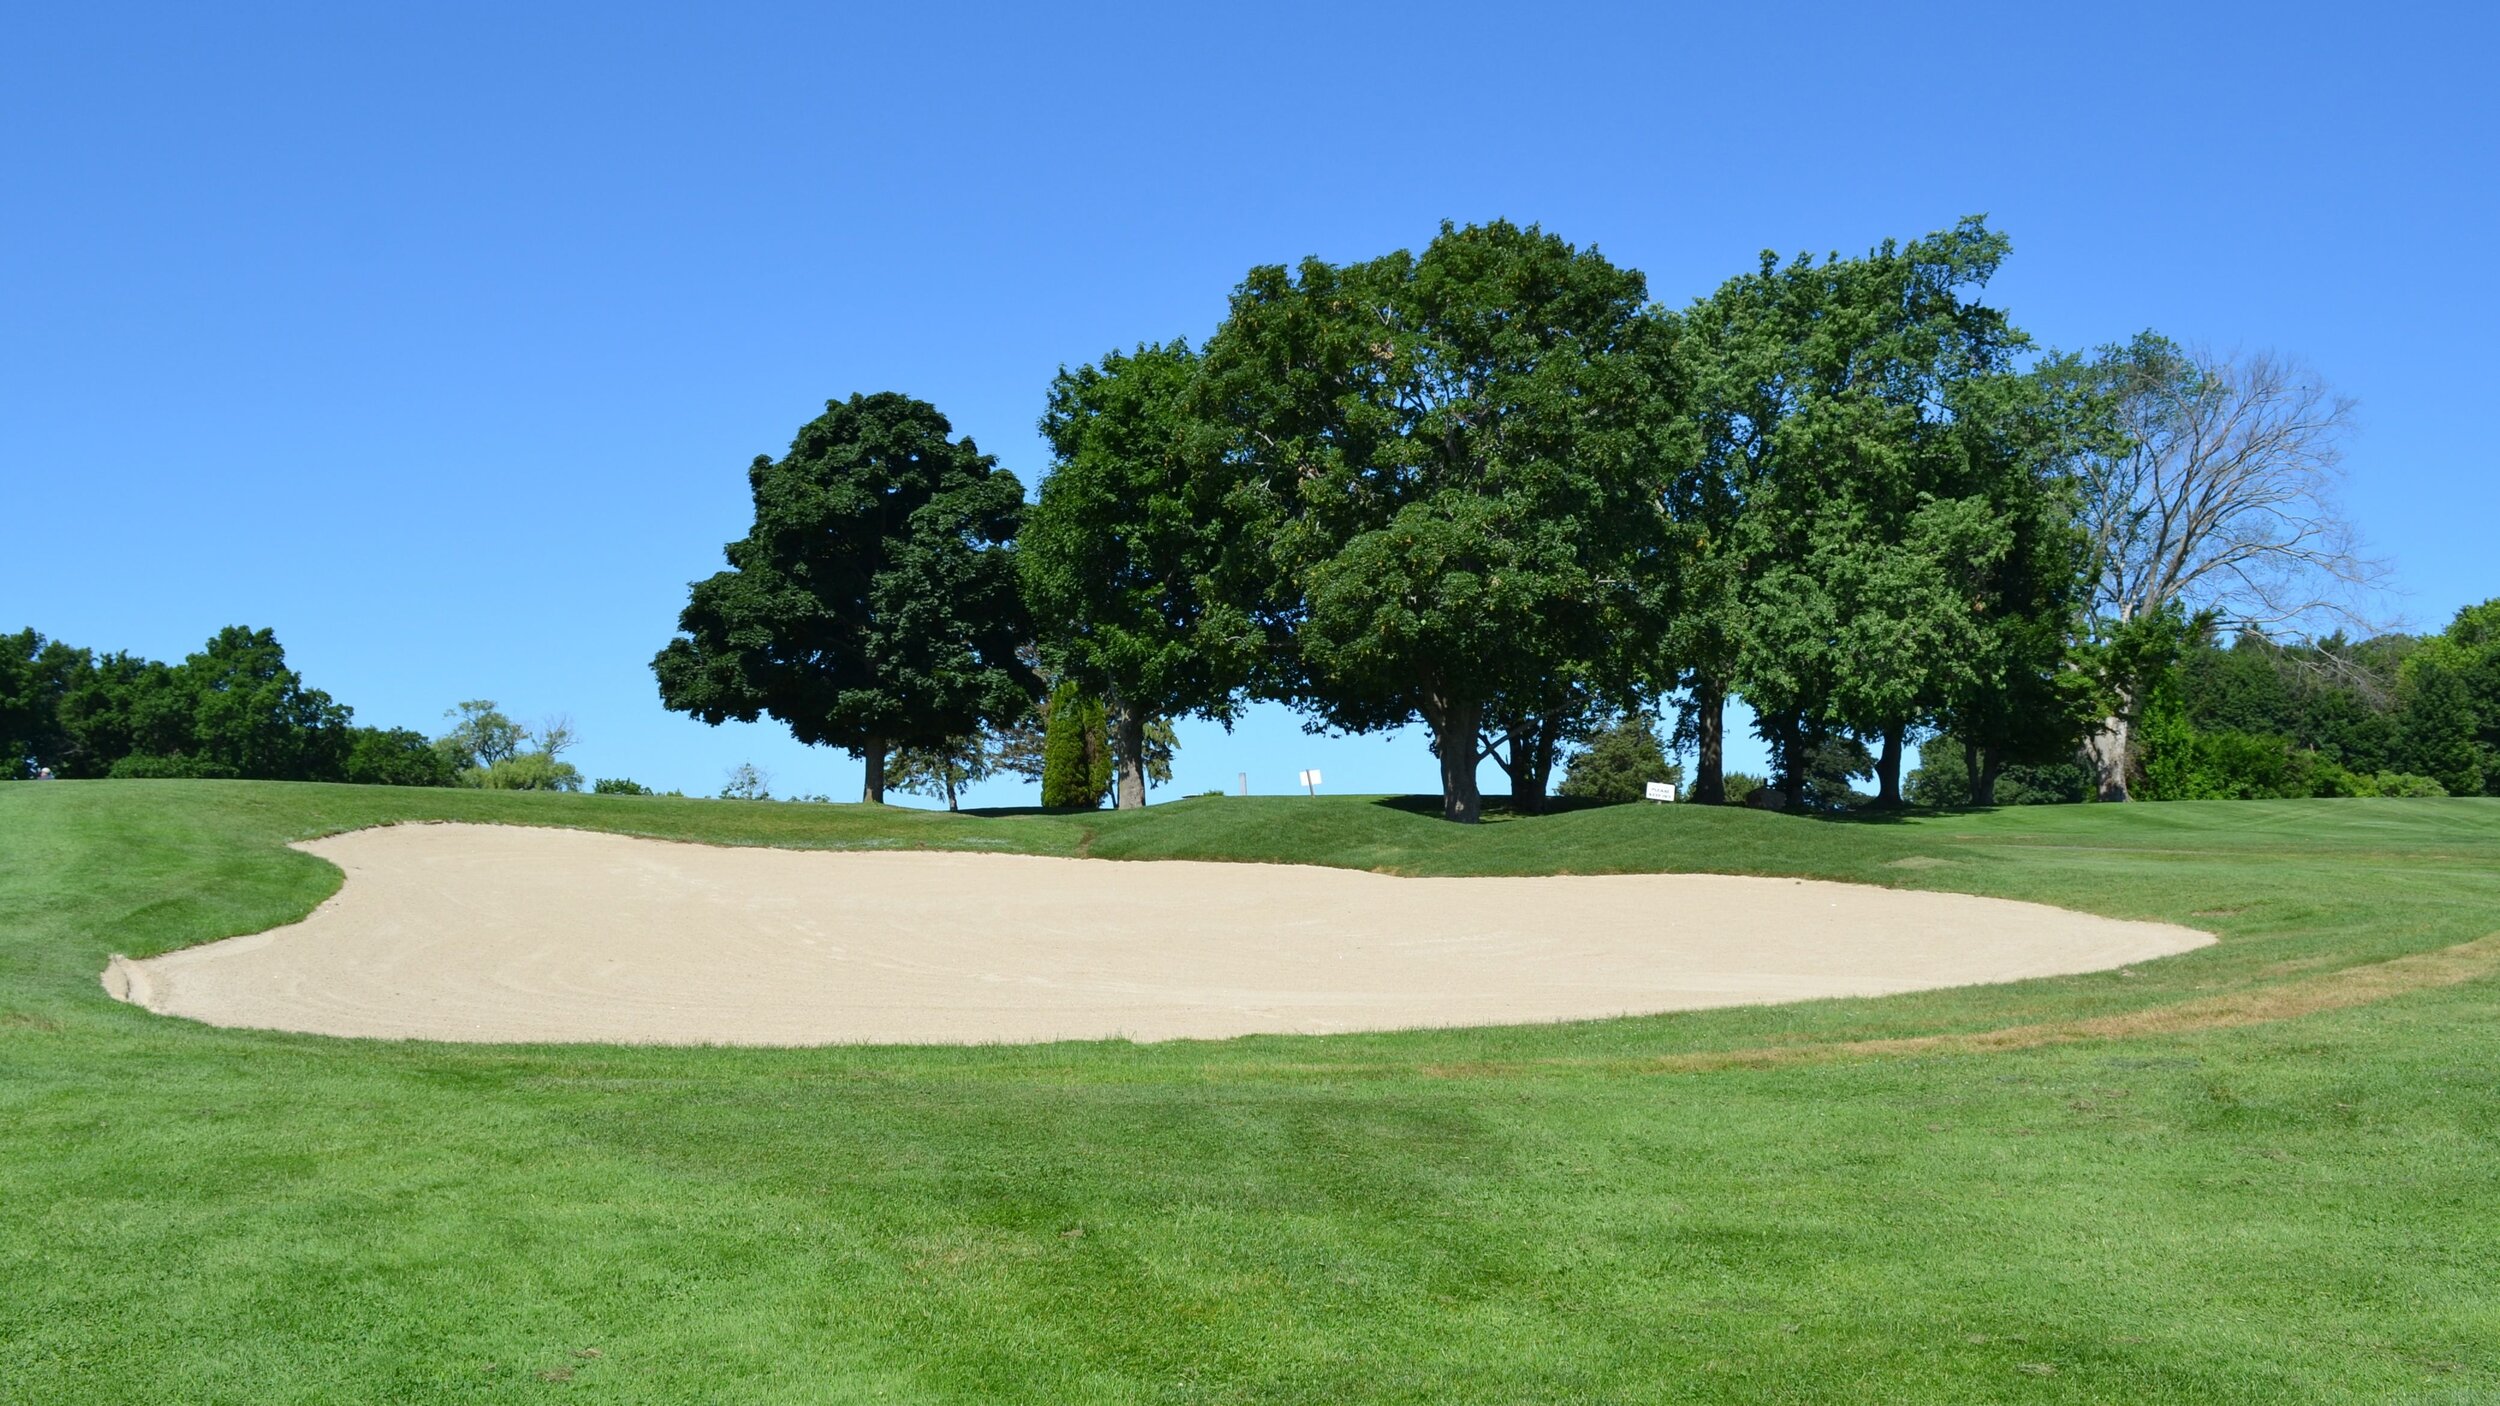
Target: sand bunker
x,y
472,932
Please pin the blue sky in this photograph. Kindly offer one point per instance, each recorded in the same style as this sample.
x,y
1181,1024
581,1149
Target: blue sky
x,y
437,338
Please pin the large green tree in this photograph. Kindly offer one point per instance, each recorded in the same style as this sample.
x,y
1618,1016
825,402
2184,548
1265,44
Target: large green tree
x,y
35,675
2436,723
1120,547
2469,651
1443,472
2010,698
1870,482
233,708
122,707
874,602
257,716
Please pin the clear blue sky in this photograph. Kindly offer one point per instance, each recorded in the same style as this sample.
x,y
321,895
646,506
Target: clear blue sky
x,y
438,338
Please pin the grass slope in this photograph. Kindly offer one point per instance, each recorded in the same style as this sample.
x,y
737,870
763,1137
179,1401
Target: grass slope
x,y
2293,1209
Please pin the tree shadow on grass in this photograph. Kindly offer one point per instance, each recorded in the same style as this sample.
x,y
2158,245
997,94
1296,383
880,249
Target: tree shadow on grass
x,y
1502,808
1496,808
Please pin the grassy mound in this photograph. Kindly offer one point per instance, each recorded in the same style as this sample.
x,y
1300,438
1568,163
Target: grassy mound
x,y
2259,1172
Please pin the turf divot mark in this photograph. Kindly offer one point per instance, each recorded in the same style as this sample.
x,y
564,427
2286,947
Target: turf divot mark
x,y
2256,1005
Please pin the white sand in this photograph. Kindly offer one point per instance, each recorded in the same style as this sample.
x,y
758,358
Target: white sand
x,y
471,932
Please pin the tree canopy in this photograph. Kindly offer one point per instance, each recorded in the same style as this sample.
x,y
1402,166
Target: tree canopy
x,y
1885,491
1439,468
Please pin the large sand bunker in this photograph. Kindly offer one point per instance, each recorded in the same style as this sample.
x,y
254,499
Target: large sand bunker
x,y
473,932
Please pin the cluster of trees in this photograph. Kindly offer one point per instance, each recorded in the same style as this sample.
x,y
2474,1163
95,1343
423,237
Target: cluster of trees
x,y
232,709
236,709
1495,488
2396,715
2255,718
487,750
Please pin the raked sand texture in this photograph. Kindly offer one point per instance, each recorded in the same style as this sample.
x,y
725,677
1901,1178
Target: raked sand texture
x,y
495,933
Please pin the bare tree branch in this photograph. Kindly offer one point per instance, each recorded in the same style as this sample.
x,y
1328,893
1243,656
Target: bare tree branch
x,y
2224,503
554,734
2227,497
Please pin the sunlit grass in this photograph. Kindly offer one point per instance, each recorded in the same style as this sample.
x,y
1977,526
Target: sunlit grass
x,y
2292,1210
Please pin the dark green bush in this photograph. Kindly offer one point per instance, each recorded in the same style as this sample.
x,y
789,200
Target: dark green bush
x,y
1076,751
395,757
1620,763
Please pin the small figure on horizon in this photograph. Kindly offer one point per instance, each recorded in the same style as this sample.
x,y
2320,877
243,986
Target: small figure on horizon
x,y
43,773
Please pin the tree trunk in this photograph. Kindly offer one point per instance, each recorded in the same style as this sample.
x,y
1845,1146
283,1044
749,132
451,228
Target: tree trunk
x,y
1888,768
1128,753
1709,732
1983,779
1791,732
872,787
2109,747
1454,724
950,785
1540,765
1526,756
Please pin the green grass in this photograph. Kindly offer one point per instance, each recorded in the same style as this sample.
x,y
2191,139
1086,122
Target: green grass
x,y
2300,1210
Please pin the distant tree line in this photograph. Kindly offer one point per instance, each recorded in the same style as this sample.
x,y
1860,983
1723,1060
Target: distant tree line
x,y
235,709
1496,489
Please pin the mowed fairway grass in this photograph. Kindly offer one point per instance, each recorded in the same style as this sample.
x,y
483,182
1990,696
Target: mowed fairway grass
x,y
2266,1171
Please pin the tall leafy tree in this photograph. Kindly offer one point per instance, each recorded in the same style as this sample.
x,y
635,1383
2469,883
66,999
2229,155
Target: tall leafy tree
x,y
874,602
125,706
1119,549
2436,723
2010,698
1698,654
480,736
1846,410
255,715
1441,466
35,675
2469,650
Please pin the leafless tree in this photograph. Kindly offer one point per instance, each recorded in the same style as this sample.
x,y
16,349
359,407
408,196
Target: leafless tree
x,y
555,734
2223,500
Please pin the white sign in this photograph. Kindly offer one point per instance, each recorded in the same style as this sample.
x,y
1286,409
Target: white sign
x,y
1309,780
1661,790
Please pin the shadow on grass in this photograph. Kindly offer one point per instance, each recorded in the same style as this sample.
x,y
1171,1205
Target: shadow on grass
x,y
1504,808
1495,807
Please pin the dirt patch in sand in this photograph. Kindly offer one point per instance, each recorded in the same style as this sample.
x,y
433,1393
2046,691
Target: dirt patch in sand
x,y
494,933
